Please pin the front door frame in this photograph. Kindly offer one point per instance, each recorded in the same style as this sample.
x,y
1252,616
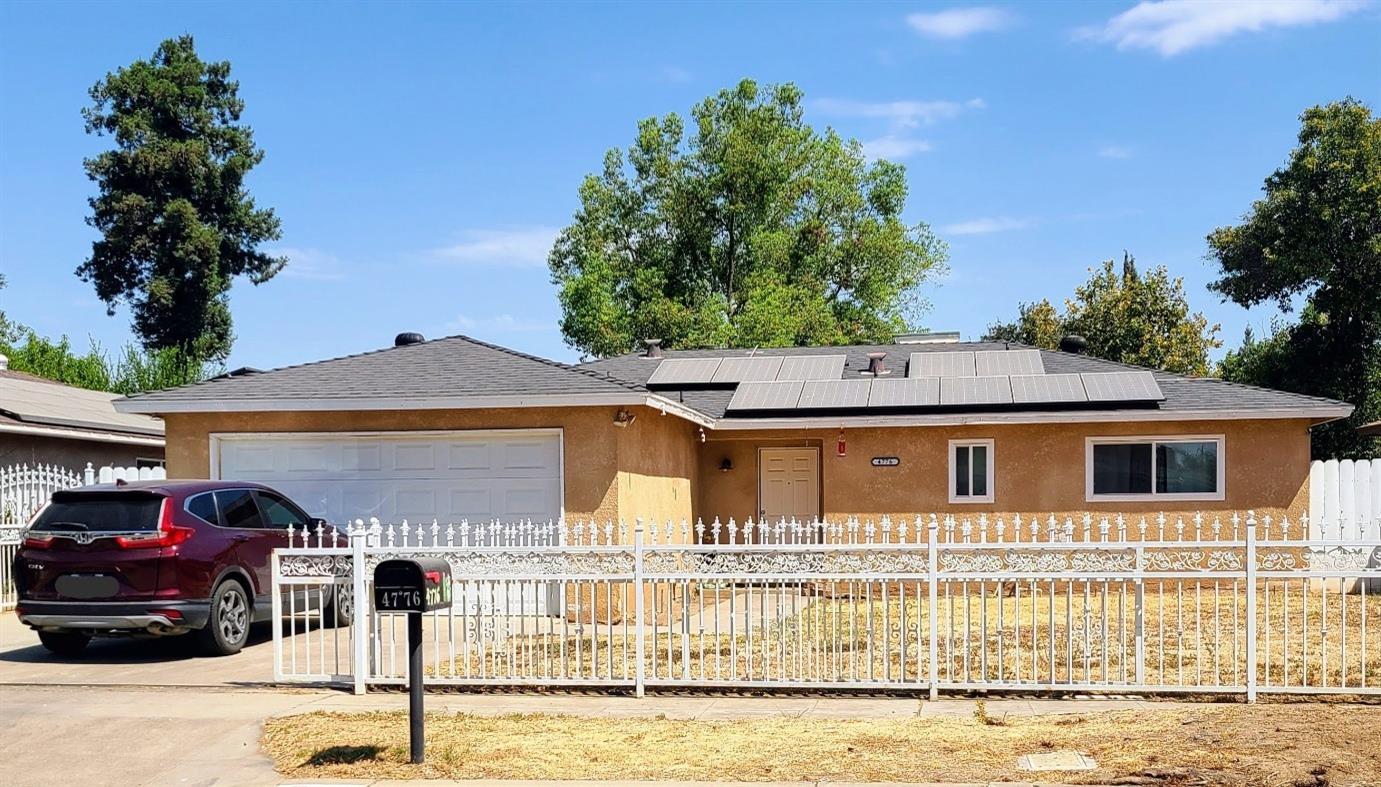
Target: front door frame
x,y
819,481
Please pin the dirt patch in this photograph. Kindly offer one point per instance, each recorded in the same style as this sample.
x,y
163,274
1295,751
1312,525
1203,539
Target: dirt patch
x,y
1301,744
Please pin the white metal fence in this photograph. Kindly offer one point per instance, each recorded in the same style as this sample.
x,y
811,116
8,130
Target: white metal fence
x,y
24,490
1228,604
1347,492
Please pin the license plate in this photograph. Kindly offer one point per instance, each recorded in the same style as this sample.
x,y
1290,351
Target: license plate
x,y
87,586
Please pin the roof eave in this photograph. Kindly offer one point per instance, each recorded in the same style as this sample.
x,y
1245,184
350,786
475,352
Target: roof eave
x,y
1318,415
159,406
44,430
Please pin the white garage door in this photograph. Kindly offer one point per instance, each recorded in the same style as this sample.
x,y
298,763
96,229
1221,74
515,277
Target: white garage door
x,y
417,476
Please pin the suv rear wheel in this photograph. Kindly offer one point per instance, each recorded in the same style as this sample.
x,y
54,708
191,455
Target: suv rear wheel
x,y
228,627
64,643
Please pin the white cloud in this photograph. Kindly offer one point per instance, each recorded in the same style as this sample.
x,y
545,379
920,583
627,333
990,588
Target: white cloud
x,y
1174,26
501,323
894,147
517,247
309,264
902,114
987,225
955,23
1115,151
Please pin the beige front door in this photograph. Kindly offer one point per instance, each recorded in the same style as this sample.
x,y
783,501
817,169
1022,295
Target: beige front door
x,y
788,484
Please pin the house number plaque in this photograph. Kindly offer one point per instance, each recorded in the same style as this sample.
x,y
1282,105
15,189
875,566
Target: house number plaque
x,y
886,461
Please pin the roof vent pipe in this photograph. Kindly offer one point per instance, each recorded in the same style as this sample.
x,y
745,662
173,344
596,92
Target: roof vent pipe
x,y
1074,344
404,339
654,348
875,365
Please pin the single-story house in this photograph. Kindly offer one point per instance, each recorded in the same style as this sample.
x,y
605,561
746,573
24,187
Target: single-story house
x,y
48,423
457,428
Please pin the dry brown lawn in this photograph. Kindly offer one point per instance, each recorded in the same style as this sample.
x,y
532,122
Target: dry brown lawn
x,y
1270,744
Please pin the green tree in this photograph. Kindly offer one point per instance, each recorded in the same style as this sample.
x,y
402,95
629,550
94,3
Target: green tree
x,y
1126,316
752,229
176,222
1316,235
10,331
134,370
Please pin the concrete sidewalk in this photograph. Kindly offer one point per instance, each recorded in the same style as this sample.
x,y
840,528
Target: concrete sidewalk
x,y
577,783
63,735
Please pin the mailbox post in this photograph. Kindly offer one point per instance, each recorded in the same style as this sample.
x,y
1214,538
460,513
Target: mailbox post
x,y
411,587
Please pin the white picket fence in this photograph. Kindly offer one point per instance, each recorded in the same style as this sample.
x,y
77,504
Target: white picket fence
x,y
1208,604
24,490
1347,492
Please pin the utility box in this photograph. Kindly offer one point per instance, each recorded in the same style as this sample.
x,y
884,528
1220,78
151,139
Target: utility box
x,y
412,585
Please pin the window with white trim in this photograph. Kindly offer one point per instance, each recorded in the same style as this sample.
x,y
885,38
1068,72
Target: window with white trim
x,y
1149,468
970,471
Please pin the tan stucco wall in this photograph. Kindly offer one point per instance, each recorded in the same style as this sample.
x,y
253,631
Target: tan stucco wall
x,y
642,470
1039,469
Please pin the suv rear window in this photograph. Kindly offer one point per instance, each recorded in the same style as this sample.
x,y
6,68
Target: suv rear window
x,y
101,512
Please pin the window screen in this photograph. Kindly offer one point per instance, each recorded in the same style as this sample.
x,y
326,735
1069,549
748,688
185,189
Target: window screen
x,y
970,468
1122,469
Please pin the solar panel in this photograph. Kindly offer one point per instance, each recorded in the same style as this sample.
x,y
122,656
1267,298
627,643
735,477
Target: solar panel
x,y
684,371
905,392
772,395
832,394
991,362
975,390
941,364
1047,388
1121,387
811,367
742,370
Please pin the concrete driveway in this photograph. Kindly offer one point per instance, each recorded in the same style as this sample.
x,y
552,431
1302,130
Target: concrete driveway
x,y
174,661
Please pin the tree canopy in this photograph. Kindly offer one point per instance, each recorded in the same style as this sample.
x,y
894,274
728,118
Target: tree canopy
x,y
1315,236
132,370
751,229
176,222
1126,316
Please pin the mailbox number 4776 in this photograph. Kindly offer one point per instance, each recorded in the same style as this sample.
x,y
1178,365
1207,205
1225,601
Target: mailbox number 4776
x,y
400,599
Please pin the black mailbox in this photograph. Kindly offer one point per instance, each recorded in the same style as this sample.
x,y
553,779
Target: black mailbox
x,y
414,585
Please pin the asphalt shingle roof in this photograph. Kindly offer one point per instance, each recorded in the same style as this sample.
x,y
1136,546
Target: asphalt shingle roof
x,y
448,368
459,367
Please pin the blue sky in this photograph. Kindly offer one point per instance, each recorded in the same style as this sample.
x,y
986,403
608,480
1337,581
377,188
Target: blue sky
x,y
422,156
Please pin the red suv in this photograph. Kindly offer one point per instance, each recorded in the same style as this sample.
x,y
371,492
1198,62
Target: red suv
x,y
155,558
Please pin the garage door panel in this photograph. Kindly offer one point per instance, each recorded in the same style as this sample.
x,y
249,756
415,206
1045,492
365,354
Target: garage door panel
x,y
361,458
529,455
526,500
470,456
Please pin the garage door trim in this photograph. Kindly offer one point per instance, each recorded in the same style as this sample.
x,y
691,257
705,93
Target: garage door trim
x,y
216,438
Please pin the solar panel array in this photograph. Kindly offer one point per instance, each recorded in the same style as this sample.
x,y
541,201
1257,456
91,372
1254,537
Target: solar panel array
x,y
673,372
1121,386
941,364
834,394
991,362
742,370
958,392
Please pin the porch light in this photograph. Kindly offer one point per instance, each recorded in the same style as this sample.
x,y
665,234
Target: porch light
x,y
726,464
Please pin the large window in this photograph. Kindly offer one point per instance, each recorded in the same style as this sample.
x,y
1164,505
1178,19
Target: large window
x,y
970,471
1142,468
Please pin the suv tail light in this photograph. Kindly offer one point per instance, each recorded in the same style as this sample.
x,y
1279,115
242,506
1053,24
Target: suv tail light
x,y
166,535
38,541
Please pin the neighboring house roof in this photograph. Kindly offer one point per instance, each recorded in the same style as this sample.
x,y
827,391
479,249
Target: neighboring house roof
x,y
460,372
1372,429
35,406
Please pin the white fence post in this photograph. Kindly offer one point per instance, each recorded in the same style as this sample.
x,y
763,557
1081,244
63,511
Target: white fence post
x,y
640,636
89,475
932,570
360,608
1251,606
276,604
1139,615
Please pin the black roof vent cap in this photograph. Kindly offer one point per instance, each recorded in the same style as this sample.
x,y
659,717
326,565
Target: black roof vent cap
x,y
654,348
1074,344
409,337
